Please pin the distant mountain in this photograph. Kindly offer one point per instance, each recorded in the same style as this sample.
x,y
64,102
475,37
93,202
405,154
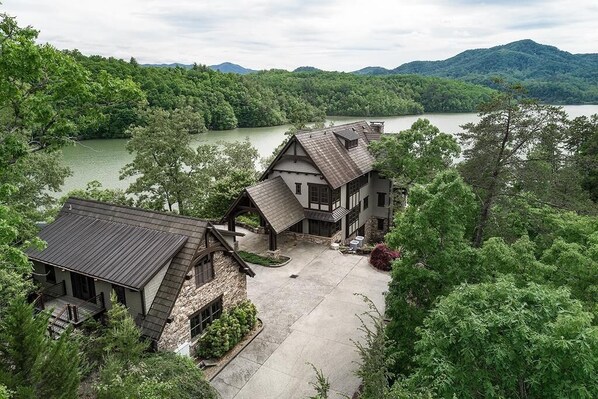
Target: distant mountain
x,y
549,74
225,67
307,69
525,58
373,70
173,65
228,67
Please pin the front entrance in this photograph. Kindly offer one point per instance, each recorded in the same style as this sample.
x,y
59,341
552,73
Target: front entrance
x,y
83,286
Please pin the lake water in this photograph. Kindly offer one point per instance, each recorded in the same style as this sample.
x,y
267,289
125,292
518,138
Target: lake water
x,y
102,159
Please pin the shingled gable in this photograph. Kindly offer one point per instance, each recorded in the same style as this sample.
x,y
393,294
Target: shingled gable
x,y
336,163
275,202
194,230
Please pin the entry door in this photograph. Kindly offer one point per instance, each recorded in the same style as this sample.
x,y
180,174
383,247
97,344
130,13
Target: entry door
x,y
83,286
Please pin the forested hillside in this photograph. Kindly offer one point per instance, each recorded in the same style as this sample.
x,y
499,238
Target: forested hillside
x,y
547,73
269,98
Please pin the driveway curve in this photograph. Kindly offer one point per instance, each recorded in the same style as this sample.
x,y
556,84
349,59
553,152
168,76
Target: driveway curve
x,y
308,318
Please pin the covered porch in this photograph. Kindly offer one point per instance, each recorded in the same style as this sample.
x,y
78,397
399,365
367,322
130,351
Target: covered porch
x,y
65,309
273,202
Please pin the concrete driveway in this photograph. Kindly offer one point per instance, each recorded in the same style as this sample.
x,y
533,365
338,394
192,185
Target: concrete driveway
x,y
310,318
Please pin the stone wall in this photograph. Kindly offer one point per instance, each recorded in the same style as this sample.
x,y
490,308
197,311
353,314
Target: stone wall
x,y
290,235
372,234
228,282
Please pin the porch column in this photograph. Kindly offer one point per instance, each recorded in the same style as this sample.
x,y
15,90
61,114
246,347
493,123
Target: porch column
x,y
272,240
231,224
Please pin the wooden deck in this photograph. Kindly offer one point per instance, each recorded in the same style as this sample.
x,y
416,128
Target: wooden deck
x,y
85,310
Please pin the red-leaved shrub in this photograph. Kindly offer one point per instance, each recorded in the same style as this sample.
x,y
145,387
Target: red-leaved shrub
x,y
382,256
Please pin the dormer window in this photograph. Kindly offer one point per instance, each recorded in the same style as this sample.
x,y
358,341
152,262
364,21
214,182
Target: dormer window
x,y
347,137
350,144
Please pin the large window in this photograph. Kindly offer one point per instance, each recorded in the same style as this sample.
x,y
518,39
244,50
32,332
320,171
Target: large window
x,y
204,270
353,193
323,229
200,320
336,198
353,220
319,197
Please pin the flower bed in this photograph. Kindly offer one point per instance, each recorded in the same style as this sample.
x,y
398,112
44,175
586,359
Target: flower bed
x,y
262,260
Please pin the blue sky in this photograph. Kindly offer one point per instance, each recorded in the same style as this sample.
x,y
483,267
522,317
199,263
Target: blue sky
x,y
340,35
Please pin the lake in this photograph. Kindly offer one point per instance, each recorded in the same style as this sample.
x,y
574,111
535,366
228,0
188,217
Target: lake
x,y
102,159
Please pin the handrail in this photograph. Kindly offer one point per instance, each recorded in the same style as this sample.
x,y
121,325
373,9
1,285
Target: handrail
x,y
50,291
75,308
38,302
59,317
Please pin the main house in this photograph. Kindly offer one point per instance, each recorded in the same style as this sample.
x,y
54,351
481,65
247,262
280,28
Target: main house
x,y
175,274
322,183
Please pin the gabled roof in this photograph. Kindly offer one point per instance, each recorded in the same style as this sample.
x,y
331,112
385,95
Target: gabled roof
x,y
168,229
338,164
277,203
115,252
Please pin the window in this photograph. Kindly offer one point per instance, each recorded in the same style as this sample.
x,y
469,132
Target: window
x,y
120,294
336,198
380,224
353,193
350,144
366,203
353,220
298,188
50,274
381,199
319,197
323,229
204,271
200,320
297,228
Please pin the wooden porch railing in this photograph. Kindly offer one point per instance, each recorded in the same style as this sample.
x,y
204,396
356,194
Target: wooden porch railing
x,y
54,291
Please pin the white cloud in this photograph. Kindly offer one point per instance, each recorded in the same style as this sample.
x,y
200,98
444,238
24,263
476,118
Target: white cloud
x,y
329,34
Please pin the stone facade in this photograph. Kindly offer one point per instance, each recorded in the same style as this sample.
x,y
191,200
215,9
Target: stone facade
x,y
228,282
290,235
372,234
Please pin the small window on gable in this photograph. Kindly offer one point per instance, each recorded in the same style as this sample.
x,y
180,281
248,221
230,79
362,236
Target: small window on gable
x,y
298,188
366,202
204,270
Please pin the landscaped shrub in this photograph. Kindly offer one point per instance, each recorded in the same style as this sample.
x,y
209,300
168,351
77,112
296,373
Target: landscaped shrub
x,y
250,219
260,260
224,333
382,256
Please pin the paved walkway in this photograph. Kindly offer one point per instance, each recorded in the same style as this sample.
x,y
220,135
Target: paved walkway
x,y
310,318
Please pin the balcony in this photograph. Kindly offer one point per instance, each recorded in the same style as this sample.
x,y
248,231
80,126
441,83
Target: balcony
x,y
67,310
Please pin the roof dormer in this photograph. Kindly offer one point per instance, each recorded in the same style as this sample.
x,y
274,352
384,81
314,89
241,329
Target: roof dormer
x,y
348,138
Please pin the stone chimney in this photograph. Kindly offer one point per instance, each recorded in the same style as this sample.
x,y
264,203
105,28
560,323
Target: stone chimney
x,y
377,127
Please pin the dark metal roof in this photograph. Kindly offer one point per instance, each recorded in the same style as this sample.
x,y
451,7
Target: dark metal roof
x,y
115,252
277,203
337,164
331,217
194,230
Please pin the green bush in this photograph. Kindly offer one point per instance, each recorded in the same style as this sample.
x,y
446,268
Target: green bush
x,y
258,259
250,219
223,334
